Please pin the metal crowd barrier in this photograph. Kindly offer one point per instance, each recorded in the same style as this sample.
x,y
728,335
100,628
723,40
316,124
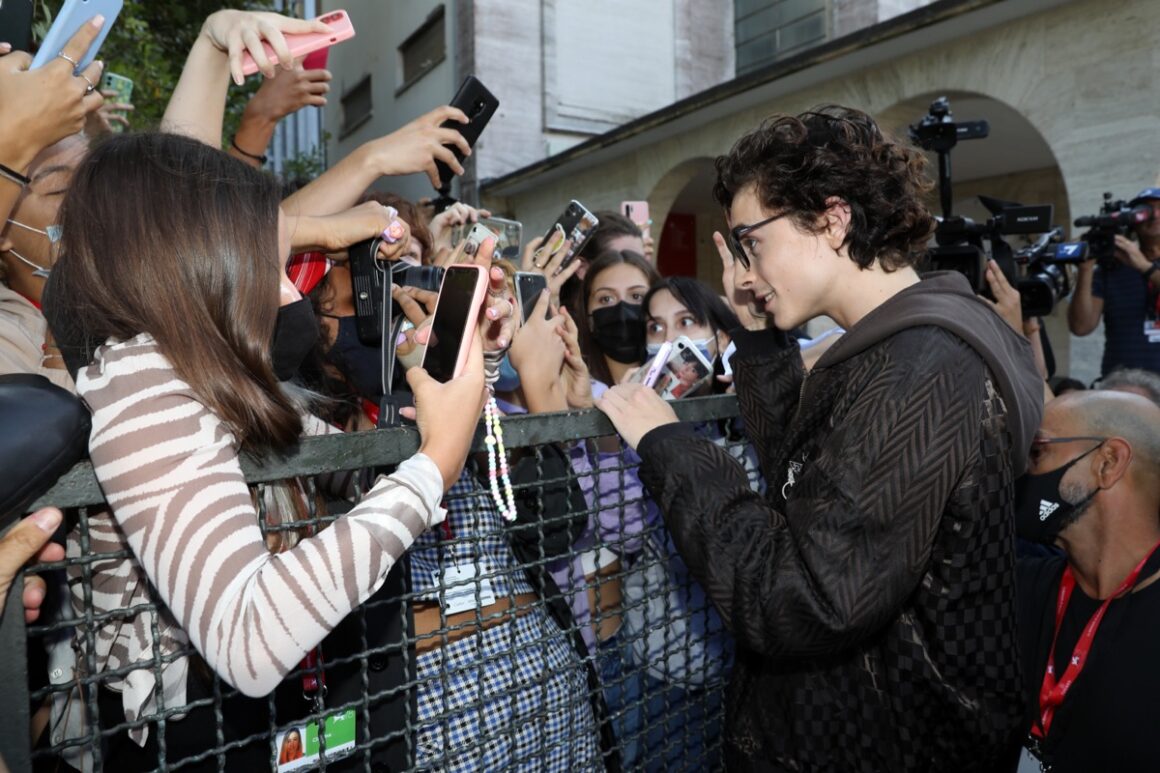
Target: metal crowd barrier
x,y
647,697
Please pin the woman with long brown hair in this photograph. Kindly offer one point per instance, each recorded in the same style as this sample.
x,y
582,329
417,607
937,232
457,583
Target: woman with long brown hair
x,y
171,295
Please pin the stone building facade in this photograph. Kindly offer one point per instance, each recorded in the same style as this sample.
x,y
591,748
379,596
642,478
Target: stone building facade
x,y
1072,85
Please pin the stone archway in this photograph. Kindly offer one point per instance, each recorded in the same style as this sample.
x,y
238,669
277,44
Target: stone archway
x,y
682,204
1014,163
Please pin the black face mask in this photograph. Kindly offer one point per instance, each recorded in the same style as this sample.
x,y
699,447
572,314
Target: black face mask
x,y
1041,512
359,363
619,332
295,335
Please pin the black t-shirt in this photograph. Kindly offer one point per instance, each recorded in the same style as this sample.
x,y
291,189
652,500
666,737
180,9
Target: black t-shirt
x,y
1106,722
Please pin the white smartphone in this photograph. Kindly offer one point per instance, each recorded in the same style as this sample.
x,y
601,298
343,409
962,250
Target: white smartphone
x,y
685,371
475,238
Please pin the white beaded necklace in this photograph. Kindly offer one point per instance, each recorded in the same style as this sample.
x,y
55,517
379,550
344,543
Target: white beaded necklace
x,y
505,500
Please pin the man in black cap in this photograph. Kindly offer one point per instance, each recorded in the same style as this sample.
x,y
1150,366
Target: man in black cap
x,y
1089,620
1132,291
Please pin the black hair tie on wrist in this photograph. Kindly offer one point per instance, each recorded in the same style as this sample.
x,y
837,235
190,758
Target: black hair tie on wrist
x,y
247,154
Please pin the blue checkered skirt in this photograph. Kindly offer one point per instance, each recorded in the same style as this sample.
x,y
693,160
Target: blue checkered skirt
x,y
513,697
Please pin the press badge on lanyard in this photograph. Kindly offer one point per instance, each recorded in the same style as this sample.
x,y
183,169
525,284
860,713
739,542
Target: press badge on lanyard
x,y
299,747
460,583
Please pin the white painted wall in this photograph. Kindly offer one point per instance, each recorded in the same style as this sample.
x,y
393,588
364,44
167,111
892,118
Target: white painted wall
x,y
381,27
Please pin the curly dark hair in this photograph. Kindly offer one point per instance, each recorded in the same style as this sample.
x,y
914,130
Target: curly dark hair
x,y
796,163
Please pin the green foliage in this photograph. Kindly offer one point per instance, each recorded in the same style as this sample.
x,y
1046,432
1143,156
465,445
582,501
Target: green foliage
x,y
149,43
307,166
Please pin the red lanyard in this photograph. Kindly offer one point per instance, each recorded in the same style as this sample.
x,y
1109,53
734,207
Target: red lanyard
x,y
1053,691
313,677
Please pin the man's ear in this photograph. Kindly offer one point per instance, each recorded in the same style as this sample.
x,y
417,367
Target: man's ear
x,y
1112,461
836,222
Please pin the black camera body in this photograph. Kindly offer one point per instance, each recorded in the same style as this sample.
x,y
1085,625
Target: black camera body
x,y
1116,218
965,246
423,277
1045,281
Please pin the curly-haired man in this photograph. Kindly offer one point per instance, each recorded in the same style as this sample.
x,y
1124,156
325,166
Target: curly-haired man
x,y
870,590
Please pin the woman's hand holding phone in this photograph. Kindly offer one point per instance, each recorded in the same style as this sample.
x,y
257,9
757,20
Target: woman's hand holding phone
x,y
447,413
416,146
500,317
546,260
101,121
235,32
43,106
576,377
286,93
537,354
458,214
333,233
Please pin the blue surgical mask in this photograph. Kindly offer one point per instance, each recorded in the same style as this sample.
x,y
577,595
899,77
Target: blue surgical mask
x,y
707,347
509,378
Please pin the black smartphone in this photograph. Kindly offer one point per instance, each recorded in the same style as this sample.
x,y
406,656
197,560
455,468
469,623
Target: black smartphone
x,y
456,316
479,105
577,224
529,285
16,23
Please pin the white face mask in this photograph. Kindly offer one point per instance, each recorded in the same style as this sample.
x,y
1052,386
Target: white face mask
x,y
52,233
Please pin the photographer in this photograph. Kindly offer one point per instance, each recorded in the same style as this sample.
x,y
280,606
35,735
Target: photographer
x,y
1132,285
856,586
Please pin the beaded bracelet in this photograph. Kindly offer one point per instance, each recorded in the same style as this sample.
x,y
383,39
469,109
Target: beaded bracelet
x,y
504,499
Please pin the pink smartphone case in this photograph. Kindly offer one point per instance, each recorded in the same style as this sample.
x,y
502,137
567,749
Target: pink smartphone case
x,y
472,316
301,45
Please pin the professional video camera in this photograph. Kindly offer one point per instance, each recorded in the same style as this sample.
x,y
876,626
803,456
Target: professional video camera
x,y
1044,281
371,286
1116,217
964,245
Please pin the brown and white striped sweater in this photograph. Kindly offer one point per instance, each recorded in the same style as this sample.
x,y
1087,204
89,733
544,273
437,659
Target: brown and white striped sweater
x,y
169,470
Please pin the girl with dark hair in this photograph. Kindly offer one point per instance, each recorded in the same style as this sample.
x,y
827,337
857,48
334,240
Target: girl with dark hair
x,y
682,306
677,637
612,341
855,585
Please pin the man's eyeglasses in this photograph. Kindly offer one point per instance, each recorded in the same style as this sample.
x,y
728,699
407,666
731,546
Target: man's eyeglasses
x,y
740,232
1038,443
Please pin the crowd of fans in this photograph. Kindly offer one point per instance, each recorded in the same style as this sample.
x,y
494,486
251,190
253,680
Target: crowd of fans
x,y
901,557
